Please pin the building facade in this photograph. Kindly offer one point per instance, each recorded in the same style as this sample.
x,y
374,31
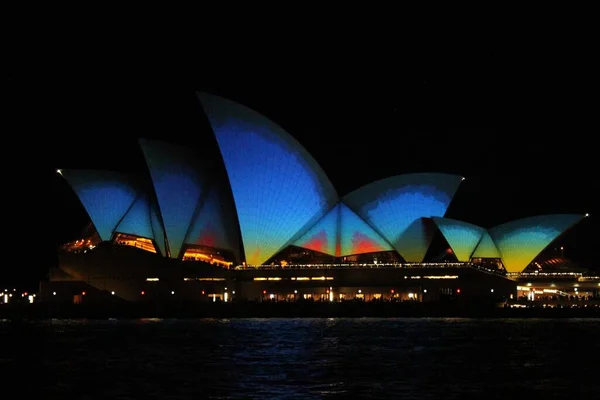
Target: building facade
x,y
261,220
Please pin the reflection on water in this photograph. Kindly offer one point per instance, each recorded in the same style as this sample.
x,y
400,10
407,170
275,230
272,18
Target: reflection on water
x,y
302,358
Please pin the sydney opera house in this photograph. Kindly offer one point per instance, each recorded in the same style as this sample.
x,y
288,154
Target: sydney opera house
x,y
259,220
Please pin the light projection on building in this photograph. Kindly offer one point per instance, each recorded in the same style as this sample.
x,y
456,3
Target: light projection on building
x,y
461,236
105,195
398,208
278,188
341,232
356,236
486,248
157,228
137,219
214,224
178,183
520,241
324,235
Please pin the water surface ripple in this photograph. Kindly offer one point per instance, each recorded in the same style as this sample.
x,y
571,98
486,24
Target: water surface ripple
x,y
301,358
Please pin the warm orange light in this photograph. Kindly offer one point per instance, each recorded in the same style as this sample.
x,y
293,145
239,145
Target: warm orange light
x,y
198,255
457,290
392,290
83,293
264,292
25,294
143,293
135,241
203,292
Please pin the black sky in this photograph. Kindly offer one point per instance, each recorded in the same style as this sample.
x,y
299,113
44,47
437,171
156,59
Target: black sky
x,y
517,123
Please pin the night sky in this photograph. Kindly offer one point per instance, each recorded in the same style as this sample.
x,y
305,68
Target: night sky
x,y
518,125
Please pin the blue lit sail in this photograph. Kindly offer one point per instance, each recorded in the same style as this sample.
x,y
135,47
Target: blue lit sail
x,y
105,195
157,228
137,219
356,236
177,176
324,235
461,236
278,188
486,248
214,224
398,208
520,241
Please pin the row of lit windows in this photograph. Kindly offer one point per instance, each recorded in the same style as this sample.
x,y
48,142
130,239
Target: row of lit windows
x,y
189,279
143,293
196,255
330,278
529,286
296,278
364,265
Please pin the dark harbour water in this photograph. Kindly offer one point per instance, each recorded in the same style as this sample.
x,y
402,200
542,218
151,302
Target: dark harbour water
x,y
301,358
